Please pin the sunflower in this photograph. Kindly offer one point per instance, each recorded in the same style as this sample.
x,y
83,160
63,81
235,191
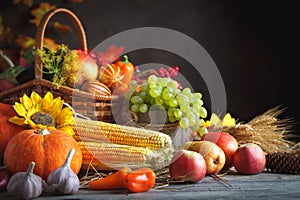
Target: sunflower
x,y
47,112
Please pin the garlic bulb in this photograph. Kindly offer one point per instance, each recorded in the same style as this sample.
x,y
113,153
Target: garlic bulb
x,y
25,185
4,178
63,178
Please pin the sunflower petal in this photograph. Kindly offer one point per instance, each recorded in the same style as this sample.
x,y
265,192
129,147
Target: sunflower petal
x,y
17,120
36,99
20,109
27,102
65,117
68,129
57,105
228,120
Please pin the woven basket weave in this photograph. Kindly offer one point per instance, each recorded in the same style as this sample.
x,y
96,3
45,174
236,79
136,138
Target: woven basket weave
x,y
95,107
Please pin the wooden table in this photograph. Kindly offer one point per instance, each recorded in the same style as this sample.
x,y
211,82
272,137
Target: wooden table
x,y
261,186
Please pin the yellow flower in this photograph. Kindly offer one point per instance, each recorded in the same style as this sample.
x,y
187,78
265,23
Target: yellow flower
x,y
47,112
216,121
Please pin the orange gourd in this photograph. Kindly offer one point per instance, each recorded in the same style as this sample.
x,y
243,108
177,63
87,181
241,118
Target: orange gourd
x,y
47,148
7,129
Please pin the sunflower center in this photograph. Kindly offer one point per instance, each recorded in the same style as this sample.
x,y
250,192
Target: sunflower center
x,y
43,118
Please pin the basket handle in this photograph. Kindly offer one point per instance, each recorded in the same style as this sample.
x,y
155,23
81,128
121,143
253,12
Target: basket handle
x,y
41,32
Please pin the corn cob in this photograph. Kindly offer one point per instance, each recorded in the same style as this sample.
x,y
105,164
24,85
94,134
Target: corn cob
x,y
105,156
91,130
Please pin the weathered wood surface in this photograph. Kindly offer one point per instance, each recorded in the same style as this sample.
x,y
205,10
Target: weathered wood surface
x,y
261,186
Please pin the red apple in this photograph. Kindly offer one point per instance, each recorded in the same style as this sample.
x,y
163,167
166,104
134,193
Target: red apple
x,y
227,142
187,166
213,155
249,158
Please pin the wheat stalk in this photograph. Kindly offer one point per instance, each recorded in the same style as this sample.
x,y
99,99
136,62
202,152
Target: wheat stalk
x,y
267,130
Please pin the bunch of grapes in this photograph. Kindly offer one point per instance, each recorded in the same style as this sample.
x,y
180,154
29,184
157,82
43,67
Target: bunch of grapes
x,y
182,106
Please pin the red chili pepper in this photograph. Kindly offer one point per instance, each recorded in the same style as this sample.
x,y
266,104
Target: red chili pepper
x,y
140,180
113,181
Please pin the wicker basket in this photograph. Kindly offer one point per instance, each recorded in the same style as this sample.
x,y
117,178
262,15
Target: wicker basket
x,y
157,120
93,106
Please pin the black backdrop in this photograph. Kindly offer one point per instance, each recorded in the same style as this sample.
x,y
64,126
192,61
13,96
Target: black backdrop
x,y
253,43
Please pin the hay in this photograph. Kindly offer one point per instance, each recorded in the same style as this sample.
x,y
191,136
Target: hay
x,y
267,130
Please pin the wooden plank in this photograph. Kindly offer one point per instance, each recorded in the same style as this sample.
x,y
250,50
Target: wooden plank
x,y
261,186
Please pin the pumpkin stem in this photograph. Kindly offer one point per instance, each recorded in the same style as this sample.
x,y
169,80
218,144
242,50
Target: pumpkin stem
x,y
43,131
30,168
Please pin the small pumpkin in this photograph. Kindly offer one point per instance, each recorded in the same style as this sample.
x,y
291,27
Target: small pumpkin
x,y
110,75
96,87
47,148
7,129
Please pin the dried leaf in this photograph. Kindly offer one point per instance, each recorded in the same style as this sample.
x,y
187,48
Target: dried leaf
x,y
62,27
39,12
28,3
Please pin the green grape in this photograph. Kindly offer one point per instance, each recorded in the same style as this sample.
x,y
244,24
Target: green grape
x,y
142,94
171,112
203,112
184,123
159,101
186,91
172,119
143,108
173,102
199,102
191,97
196,107
144,87
176,91
185,107
163,81
167,95
172,84
136,100
202,131
194,128
152,85
135,108
190,115
152,79
192,121
178,113
197,95
154,93
152,101
182,99
195,112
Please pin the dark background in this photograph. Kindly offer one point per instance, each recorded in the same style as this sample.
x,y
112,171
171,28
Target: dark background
x,y
253,43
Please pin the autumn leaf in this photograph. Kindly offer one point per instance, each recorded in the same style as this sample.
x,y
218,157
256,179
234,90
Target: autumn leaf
x,y
39,12
28,3
5,32
62,27
26,42
111,54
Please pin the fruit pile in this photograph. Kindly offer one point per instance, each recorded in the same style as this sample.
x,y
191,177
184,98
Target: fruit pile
x,y
182,106
216,151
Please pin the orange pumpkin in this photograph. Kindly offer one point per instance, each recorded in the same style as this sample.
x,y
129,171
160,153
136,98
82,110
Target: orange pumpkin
x,y
7,129
47,148
110,75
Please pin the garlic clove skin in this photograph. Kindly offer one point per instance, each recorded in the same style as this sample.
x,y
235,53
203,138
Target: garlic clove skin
x,y
25,185
63,178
